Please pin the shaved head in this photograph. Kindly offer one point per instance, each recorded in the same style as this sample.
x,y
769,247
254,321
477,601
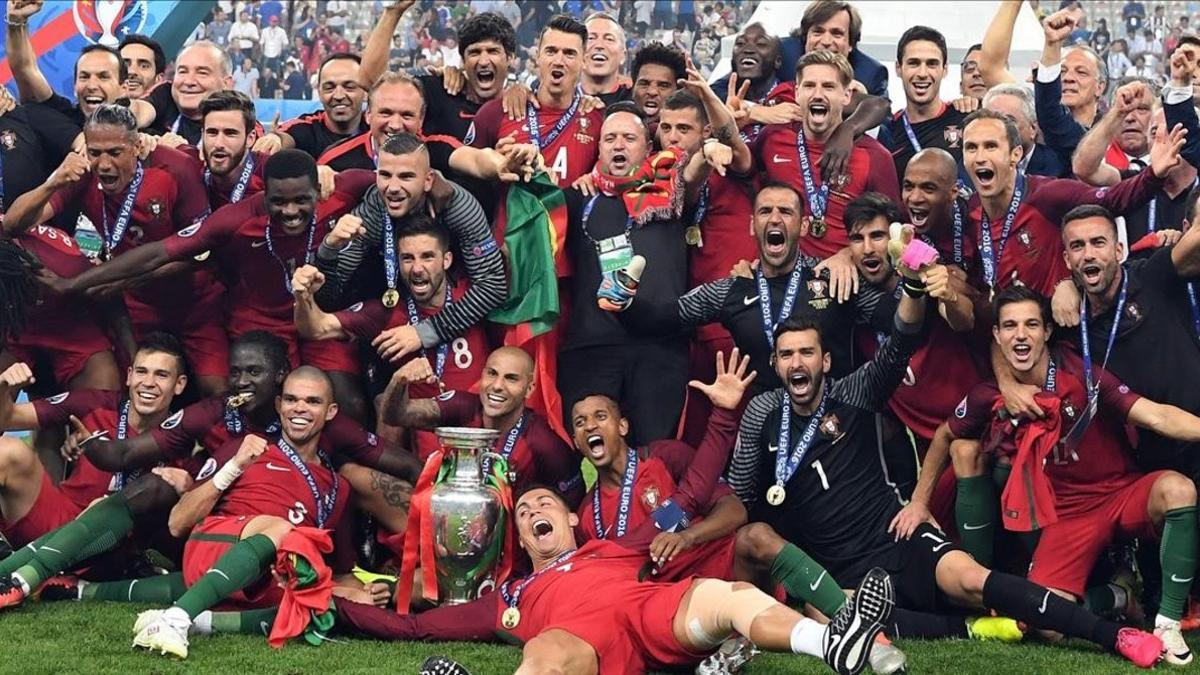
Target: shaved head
x,y
938,161
517,353
311,374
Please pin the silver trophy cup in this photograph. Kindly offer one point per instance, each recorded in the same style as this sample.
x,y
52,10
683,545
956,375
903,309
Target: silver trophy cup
x,y
465,515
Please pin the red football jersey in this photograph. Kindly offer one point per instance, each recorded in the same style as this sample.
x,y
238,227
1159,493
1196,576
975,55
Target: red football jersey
x,y
56,319
1032,253
942,369
1103,462
99,410
870,170
572,154
220,188
727,237
171,198
259,297
274,486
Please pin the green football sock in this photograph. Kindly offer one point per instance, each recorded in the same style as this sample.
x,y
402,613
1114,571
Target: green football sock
x,y
249,622
95,531
975,515
239,567
1177,555
805,579
163,589
22,556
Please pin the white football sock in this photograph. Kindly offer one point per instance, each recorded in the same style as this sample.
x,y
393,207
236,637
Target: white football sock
x,y
808,637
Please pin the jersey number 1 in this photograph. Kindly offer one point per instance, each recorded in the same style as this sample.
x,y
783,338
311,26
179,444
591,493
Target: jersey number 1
x,y
821,472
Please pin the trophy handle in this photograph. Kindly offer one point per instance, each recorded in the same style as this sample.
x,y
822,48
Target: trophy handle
x,y
495,457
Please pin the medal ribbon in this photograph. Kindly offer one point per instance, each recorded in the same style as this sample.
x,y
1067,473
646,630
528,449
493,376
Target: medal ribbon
x,y
390,268
113,237
1151,226
510,442
989,256
122,431
787,458
587,215
818,198
513,598
701,205
414,318
287,276
1085,338
325,502
631,464
912,135
789,300
239,188
535,132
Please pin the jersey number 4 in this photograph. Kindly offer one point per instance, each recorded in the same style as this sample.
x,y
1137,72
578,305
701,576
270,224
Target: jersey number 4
x,y
559,166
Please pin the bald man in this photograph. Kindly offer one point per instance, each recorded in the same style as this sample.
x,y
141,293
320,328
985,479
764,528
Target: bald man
x,y
240,514
533,451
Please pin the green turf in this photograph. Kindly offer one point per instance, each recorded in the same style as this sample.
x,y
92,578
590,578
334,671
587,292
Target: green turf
x,y
95,638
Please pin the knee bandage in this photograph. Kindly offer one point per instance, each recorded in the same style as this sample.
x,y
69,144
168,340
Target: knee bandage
x,y
717,609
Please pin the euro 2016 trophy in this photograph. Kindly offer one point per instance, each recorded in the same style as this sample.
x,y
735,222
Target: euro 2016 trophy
x,y
467,514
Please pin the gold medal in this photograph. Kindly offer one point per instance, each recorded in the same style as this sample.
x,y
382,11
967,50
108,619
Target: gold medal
x,y
818,228
775,495
239,400
510,618
692,236
391,297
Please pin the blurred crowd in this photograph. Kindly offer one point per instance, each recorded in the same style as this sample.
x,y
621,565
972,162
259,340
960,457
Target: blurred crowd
x,y
276,45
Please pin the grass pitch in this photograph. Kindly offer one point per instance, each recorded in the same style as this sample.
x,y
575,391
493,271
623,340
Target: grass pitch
x,y
95,638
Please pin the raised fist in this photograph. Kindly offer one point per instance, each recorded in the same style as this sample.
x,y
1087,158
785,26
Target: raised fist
x,y
252,448
307,280
348,228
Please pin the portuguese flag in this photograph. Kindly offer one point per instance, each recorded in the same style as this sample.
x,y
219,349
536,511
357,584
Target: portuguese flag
x,y
534,233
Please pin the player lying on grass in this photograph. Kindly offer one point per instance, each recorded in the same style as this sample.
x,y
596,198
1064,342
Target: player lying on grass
x,y
583,610
241,514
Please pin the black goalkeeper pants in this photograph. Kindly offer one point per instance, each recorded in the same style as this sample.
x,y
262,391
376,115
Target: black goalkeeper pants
x,y
649,379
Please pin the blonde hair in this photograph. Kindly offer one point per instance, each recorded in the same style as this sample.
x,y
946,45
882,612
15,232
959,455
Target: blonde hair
x,y
827,58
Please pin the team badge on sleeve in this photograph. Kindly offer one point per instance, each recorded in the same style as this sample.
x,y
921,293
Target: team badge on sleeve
x,y
58,398
172,421
209,468
961,411
470,137
190,229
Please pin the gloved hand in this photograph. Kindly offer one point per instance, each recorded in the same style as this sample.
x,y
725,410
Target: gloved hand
x,y
909,256
618,288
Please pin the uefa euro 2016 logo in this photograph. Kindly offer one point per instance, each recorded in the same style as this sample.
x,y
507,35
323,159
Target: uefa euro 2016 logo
x,y
109,21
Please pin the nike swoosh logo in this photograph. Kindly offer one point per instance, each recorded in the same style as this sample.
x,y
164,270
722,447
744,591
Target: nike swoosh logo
x,y
1180,581
941,546
264,627
749,300
258,244
272,467
968,526
813,586
771,447
780,160
463,115
1045,599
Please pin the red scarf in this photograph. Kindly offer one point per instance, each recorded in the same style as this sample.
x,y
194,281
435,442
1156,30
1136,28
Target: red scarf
x,y
1028,501
652,191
